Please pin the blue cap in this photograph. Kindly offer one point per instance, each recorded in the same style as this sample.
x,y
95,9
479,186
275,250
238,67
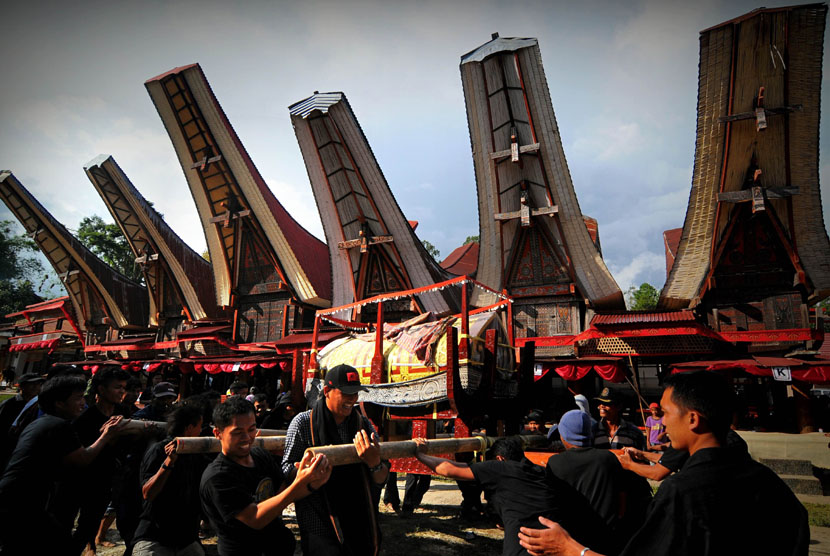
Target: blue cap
x,y
575,428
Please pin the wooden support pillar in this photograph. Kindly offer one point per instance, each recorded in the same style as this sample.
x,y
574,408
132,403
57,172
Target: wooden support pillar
x,y
377,360
463,343
297,382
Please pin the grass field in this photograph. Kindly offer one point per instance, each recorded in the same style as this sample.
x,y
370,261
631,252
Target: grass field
x,y
4,397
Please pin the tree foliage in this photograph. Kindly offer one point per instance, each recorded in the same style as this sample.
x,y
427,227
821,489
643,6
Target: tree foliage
x,y
643,298
108,243
431,249
18,271
471,239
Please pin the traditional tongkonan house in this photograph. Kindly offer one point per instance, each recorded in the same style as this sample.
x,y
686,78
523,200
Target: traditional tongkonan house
x,y
179,281
373,248
383,275
270,274
753,254
534,241
104,305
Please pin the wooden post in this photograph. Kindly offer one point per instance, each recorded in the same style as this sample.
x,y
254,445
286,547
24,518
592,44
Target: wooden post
x,y
345,454
510,339
377,360
297,382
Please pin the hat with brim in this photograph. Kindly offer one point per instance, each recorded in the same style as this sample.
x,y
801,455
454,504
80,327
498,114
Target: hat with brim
x,y
344,378
654,405
29,378
608,396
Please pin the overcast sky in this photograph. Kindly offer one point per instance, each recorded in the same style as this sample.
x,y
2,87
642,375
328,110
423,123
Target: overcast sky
x,y
622,77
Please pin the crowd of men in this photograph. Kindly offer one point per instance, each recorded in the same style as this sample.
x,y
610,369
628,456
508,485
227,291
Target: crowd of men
x,y
78,456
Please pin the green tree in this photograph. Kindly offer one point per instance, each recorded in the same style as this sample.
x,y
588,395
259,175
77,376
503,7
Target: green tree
x,y
18,271
107,241
471,239
643,298
431,249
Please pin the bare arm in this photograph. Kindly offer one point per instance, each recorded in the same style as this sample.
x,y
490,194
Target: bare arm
x,y
656,472
314,471
155,484
553,540
84,456
445,467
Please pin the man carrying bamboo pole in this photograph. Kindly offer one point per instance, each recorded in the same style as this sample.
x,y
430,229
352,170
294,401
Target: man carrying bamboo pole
x,y
520,492
244,492
49,448
170,490
341,519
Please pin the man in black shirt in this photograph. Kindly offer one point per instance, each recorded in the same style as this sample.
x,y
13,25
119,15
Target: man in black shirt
x,y
47,450
595,473
243,492
29,387
721,502
170,488
520,492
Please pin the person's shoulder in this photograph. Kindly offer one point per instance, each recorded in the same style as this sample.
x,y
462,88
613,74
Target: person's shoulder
x,y
300,419
217,467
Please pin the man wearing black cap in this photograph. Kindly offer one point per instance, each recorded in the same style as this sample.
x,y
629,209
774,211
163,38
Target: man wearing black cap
x,y
341,518
612,430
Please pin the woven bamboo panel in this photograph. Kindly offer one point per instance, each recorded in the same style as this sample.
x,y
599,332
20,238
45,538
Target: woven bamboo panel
x,y
655,345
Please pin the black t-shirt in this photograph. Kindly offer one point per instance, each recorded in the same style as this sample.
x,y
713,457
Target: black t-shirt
x,y
172,518
227,488
596,474
36,463
723,503
520,493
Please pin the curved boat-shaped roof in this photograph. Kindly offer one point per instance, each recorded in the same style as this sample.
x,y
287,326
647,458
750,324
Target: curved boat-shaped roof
x,y
186,272
526,198
356,205
780,50
226,186
96,289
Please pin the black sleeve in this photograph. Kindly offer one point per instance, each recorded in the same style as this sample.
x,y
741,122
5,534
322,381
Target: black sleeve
x,y
153,458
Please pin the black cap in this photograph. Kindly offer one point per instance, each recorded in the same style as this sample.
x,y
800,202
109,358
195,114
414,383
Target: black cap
x,y
30,377
344,378
609,396
164,389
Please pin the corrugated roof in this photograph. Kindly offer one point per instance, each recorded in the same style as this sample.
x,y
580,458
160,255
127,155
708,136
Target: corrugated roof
x,y
642,317
317,101
499,44
463,260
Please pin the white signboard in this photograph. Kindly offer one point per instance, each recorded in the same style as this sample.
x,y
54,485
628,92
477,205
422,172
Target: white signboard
x,y
782,373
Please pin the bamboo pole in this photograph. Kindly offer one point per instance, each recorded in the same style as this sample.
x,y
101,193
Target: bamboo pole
x,y
136,425
211,445
344,454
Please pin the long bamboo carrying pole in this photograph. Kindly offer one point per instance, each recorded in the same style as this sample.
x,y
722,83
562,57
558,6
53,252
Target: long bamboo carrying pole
x,y
345,454
137,424
209,445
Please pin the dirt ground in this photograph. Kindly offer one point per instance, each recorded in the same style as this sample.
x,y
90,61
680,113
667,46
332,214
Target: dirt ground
x,y
433,530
